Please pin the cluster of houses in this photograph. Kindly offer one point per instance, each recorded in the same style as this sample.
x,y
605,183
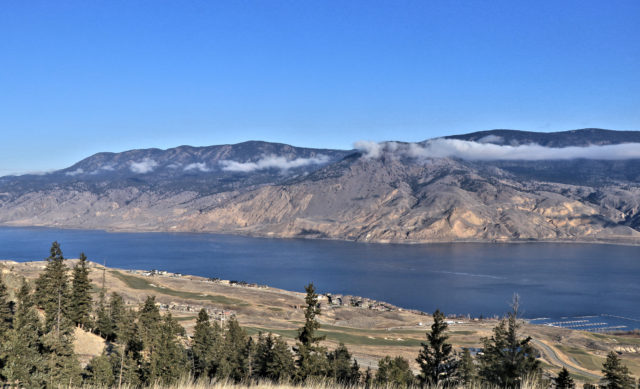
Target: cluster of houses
x,y
150,273
214,313
338,300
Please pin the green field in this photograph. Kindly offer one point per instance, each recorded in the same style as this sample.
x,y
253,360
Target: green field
x,y
345,338
138,283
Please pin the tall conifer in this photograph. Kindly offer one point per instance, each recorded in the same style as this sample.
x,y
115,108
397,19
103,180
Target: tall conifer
x,y
81,301
312,359
436,361
24,363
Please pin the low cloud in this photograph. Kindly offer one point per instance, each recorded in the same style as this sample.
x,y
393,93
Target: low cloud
x,y
75,172
145,166
105,168
496,139
488,151
371,149
199,166
272,162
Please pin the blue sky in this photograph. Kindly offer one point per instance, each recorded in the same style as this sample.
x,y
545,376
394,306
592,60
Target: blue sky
x,y
78,77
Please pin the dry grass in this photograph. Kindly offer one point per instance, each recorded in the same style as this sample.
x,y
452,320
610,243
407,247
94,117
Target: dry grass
x,y
529,383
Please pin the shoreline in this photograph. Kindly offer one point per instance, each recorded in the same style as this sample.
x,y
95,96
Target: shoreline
x,y
612,242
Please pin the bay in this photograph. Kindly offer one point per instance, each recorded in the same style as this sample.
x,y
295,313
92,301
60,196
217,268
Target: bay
x,y
554,280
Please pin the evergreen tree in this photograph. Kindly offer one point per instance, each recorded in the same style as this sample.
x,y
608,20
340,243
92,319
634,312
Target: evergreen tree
x,y
6,311
127,357
104,326
61,363
203,346
168,362
343,369
312,360
564,380
52,292
235,359
466,368
24,363
81,301
117,314
394,372
616,375
99,372
6,322
436,361
367,380
273,360
507,358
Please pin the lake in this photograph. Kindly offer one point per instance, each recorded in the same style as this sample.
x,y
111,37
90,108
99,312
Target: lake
x,y
554,280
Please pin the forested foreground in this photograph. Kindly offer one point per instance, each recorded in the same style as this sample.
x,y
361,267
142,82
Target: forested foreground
x,y
147,348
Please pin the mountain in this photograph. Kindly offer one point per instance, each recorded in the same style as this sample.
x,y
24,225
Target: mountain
x,y
432,191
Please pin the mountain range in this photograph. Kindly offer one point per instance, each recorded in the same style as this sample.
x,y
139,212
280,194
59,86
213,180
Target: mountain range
x,y
499,185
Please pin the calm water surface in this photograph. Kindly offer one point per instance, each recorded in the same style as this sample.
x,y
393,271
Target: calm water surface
x,y
553,280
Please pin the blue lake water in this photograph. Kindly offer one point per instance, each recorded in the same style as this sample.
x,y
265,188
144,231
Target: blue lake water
x,y
554,281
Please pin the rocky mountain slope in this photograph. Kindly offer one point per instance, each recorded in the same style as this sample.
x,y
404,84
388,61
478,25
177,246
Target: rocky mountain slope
x,y
492,186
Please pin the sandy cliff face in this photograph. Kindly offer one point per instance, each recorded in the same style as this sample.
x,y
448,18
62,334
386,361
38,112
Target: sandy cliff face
x,y
443,200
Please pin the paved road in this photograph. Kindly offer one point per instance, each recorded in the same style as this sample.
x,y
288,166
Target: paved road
x,y
553,357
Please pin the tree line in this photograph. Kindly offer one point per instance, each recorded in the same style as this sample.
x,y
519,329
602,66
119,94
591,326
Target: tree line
x,y
145,347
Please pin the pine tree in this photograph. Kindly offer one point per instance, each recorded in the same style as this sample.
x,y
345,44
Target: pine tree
x,y
436,361
343,369
368,378
52,292
564,380
467,368
203,346
127,355
507,358
616,375
104,326
394,372
24,363
208,346
312,360
280,366
6,311
61,363
234,363
99,372
168,362
6,323
81,301
117,314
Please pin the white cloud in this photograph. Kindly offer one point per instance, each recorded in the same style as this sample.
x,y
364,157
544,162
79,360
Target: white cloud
x,y
197,166
370,149
455,148
75,172
491,138
174,165
272,162
145,166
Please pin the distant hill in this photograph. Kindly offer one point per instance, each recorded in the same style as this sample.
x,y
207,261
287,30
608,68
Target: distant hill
x,y
378,195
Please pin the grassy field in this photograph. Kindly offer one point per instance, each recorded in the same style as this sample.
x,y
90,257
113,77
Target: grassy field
x,y
141,284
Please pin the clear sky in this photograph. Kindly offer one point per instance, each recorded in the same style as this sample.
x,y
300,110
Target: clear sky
x,y
78,77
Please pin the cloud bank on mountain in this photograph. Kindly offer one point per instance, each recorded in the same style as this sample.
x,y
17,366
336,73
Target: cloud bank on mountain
x,y
487,151
145,166
272,162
